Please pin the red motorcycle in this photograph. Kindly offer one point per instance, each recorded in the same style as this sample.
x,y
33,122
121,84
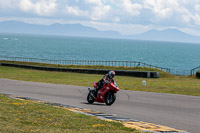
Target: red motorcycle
x,y
107,94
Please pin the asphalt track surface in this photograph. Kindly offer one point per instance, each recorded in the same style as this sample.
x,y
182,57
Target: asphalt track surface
x,y
176,111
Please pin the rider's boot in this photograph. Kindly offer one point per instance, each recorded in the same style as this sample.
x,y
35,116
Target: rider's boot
x,y
95,91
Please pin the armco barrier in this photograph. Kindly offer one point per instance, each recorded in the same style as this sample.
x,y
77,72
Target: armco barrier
x,y
143,74
198,74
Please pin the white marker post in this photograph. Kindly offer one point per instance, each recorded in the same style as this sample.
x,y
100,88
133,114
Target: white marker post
x,y
144,83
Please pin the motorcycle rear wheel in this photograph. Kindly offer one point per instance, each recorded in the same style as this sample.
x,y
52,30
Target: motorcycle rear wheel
x,y
90,98
110,98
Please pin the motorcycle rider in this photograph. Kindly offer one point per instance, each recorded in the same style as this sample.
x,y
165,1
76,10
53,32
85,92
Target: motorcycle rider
x,y
107,79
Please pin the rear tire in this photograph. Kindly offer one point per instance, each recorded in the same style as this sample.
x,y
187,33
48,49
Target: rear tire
x,y
90,98
110,98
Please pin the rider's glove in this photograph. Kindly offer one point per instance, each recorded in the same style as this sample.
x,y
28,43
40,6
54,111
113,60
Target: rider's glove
x,y
107,82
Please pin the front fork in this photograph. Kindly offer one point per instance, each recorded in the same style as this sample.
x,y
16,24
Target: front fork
x,y
91,91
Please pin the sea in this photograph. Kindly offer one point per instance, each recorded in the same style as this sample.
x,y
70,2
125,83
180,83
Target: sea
x,y
172,55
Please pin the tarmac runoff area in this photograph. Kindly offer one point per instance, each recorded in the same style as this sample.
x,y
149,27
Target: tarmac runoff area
x,y
130,123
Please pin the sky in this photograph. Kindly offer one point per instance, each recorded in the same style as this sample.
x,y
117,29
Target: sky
x,y
128,17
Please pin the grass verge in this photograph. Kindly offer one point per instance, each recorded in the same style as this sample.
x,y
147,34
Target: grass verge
x,y
170,84
161,73
18,116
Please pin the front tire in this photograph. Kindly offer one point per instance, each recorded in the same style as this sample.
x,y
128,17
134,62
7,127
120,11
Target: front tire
x,y
90,98
110,98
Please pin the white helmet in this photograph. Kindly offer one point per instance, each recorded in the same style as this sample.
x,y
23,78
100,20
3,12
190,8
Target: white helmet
x,y
111,74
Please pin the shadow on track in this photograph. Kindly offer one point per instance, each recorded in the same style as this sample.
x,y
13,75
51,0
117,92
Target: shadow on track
x,y
99,104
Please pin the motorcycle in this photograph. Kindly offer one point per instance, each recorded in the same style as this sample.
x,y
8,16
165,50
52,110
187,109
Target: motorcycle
x,y
107,94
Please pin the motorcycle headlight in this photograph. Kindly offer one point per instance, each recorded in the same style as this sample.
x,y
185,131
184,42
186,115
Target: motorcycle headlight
x,y
115,83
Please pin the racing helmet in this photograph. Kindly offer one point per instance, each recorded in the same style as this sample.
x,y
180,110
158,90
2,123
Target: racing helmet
x,y
111,74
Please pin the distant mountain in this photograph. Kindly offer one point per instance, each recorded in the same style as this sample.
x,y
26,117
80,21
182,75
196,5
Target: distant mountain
x,y
55,29
172,35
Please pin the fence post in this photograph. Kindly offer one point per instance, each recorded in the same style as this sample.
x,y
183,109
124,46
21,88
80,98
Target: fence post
x,y
88,62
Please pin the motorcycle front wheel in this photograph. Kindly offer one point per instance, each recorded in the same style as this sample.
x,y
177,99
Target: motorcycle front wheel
x,y
110,98
90,98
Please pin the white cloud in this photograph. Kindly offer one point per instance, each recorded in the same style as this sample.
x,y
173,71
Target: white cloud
x,y
26,5
173,12
197,7
95,2
99,12
130,7
122,15
89,9
161,9
40,7
186,18
196,18
116,19
5,4
75,11
98,9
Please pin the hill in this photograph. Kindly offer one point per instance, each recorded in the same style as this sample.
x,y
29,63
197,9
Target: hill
x,y
54,29
172,35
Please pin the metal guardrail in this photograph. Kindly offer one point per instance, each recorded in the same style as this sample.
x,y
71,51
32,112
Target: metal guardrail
x,y
179,72
194,70
85,62
103,63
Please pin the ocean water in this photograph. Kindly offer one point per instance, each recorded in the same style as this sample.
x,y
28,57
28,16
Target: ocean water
x,y
182,56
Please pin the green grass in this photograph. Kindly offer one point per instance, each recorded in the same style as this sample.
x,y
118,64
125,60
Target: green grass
x,y
18,116
161,73
169,84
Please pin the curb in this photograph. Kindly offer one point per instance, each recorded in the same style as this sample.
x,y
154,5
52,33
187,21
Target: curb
x,y
127,122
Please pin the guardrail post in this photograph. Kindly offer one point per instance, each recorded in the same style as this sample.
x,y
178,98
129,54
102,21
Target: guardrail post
x,y
88,62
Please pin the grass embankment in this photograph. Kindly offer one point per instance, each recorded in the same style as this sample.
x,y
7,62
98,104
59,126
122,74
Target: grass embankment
x,y
161,73
166,84
18,116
